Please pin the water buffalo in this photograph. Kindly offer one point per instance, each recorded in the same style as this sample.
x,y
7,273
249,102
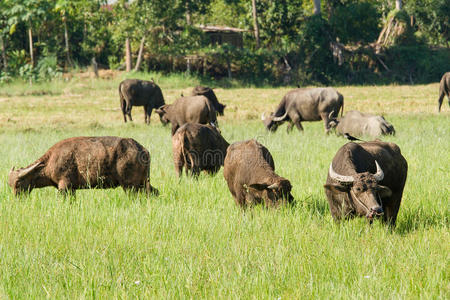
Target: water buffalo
x,y
366,179
444,89
198,147
308,104
87,162
135,92
209,93
359,124
193,109
250,174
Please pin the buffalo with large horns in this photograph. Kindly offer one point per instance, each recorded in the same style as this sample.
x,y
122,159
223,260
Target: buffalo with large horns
x,y
366,179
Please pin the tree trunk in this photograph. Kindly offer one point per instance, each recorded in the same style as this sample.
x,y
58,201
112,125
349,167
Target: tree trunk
x,y
30,40
5,61
66,39
188,14
140,54
255,23
128,55
398,4
316,7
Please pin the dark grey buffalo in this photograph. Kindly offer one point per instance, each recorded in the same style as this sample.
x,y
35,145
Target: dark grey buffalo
x,y
193,109
444,89
198,147
87,162
359,124
306,104
135,92
209,93
366,179
250,174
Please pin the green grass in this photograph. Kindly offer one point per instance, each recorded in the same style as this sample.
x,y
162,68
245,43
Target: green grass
x,y
193,241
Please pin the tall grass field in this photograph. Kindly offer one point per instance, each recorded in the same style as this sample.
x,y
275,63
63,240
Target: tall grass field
x,y
193,241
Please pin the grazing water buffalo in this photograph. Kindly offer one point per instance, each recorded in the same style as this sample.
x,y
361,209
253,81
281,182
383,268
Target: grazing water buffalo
x,y
444,89
209,93
198,147
134,92
306,105
358,124
250,173
366,179
193,109
87,162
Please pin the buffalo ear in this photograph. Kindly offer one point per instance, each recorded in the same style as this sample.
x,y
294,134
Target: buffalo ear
x,y
384,191
258,186
337,188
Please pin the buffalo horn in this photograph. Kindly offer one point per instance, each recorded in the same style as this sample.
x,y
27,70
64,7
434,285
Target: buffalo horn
x,y
263,116
273,186
338,177
379,175
331,113
278,119
26,171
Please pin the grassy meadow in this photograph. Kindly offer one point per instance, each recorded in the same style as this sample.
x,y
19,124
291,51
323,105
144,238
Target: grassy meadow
x,y
192,241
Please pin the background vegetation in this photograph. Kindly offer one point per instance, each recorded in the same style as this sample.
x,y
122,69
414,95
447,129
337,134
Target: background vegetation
x,y
193,241
295,44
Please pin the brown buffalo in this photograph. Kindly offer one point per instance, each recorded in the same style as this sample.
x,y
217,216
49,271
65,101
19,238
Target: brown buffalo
x,y
135,92
87,162
193,109
250,174
306,104
209,93
198,147
366,179
444,89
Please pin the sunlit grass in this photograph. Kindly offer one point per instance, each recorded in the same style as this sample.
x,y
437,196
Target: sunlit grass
x,y
193,241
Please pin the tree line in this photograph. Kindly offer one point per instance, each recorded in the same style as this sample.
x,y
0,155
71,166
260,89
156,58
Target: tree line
x,y
285,41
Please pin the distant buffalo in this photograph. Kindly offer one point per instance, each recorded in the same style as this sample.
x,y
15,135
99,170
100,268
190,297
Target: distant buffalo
x,y
135,92
306,104
444,89
87,162
359,124
366,179
193,109
198,147
209,93
250,174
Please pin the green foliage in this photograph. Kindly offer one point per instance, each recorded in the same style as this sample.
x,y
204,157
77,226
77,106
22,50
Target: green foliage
x,y
356,22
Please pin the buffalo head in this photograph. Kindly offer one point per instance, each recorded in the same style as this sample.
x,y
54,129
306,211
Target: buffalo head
x,y
271,122
363,191
162,112
272,194
21,180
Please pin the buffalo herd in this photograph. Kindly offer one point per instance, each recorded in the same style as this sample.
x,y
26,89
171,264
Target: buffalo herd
x,y
364,179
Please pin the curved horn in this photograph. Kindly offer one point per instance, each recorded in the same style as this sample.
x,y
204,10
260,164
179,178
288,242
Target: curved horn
x,y
331,113
274,186
338,177
379,175
263,116
26,171
278,119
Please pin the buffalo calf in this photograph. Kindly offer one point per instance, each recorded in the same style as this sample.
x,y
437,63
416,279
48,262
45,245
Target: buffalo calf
x,y
198,147
250,174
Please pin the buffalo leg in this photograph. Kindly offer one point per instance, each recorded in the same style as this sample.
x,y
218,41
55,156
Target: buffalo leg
x,y
441,99
290,127
326,121
65,188
297,122
150,190
123,106
391,208
148,114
